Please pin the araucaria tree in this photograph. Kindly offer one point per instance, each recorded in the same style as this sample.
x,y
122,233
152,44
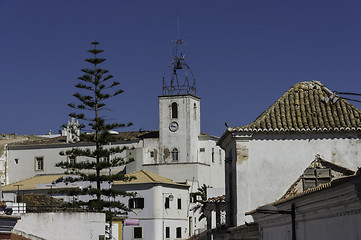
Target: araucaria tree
x,y
89,165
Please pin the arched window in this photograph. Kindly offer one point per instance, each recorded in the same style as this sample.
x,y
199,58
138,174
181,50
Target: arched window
x,y
174,110
175,154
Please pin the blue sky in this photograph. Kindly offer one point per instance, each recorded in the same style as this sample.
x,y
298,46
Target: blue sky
x,y
244,53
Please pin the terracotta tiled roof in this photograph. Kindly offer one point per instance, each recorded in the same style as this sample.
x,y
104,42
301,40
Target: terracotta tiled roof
x,y
30,183
217,199
146,177
336,182
307,106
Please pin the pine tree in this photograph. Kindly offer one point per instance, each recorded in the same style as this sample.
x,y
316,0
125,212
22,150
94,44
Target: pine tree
x,y
96,87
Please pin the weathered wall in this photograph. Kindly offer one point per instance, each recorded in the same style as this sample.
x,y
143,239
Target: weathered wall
x,y
267,164
61,226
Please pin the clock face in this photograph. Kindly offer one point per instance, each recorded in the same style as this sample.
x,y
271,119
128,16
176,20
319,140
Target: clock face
x,y
173,126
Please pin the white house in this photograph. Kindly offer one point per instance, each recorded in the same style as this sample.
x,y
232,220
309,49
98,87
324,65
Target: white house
x,y
160,210
161,206
329,211
262,158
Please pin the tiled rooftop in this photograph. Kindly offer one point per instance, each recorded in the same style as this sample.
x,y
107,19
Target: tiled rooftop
x,y
146,177
30,183
307,106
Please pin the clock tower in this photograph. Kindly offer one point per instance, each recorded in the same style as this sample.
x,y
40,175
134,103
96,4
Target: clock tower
x,y
179,112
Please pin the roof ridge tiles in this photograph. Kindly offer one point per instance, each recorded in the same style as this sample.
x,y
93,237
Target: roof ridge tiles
x,y
306,106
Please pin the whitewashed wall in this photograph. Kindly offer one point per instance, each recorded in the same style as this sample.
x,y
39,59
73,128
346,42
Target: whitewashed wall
x,y
63,226
267,164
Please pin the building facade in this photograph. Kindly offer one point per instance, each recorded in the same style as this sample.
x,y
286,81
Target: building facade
x,y
262,158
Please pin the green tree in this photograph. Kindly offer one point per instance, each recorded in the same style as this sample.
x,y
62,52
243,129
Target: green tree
x,y
96,88
201,198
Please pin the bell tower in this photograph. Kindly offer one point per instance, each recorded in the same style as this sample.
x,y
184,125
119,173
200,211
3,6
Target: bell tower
x,y
179,111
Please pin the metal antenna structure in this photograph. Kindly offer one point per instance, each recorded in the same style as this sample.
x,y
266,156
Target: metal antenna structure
x,y
178,79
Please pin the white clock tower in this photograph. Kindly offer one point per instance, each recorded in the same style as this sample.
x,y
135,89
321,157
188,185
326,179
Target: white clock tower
x,y
179,112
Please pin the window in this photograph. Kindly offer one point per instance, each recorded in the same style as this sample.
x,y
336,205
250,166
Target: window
x,y
178,232
192,197
179,203
213,155
175,154
39,163
167,232
152,154
16,160
313,177
136,203
104,159
174,110
202,149
71,159
220,156
195,111
167,202
137,232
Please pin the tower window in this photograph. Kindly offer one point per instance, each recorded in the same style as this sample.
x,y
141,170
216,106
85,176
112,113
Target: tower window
x,y
195,111
174,110
175,154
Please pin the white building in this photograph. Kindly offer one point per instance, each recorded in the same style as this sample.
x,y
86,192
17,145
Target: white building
x,y
262,158
160,210
329,211
160,207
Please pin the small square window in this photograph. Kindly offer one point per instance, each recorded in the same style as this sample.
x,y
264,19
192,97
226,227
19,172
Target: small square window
x,y
179,232
137,232
202,149
16,160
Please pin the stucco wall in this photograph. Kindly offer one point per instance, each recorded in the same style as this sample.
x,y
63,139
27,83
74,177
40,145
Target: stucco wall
x,y
61,226
266,165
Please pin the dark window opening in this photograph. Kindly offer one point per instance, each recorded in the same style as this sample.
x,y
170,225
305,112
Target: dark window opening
x,y
167,202
174,110
179,203
136,203
138,232
179,232
167,232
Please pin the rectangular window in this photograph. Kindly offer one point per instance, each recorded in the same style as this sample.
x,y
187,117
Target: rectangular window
x,y
202,149
137,232
167,202
71,159
152,154
104,159
16,160
179,203
39,163
220,156
213,155
136,203
167,232
179,232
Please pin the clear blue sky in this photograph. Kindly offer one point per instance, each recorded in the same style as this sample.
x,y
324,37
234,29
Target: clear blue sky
x,y
244,53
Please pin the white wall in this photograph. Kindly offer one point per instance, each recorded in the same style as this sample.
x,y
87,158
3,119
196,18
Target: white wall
x,y
267,164
63,226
